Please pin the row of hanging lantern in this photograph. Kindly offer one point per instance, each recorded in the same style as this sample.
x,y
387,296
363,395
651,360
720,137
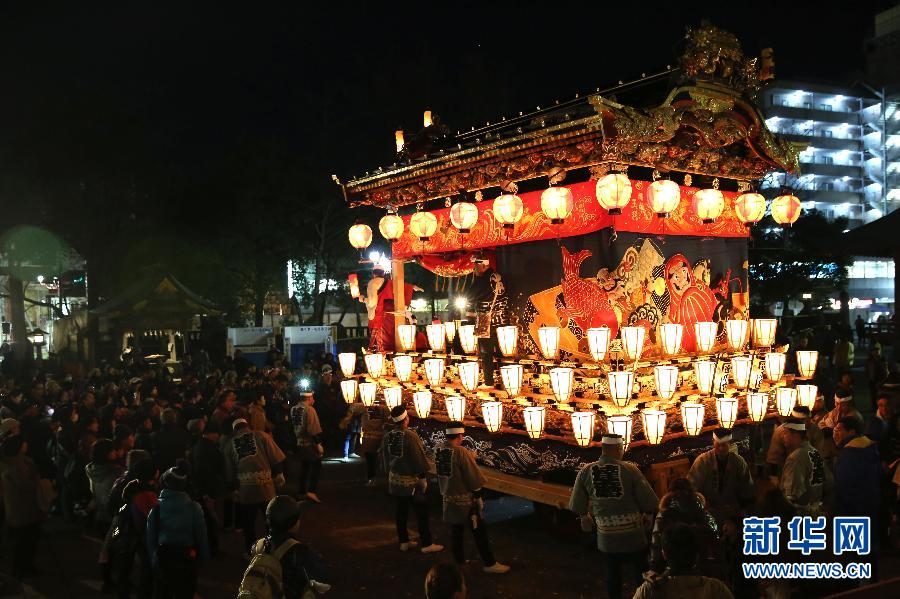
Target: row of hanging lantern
x,y
620,383
613,192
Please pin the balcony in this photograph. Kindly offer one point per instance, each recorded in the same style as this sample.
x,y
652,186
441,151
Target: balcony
x,y
826,143
812,114
831,170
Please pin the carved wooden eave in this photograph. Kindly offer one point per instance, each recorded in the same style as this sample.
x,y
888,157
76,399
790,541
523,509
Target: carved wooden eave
x,y
708,126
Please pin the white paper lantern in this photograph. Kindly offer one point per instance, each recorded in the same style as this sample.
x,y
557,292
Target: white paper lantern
x,y
375,365
620,425
508,340
367,392
508,210
391,227
557,203
613,192
583,427
633,341
434,371
786,209
774,366
562,380
663,196
692,416
406,335
534,421
512,378
806,362
670,335
549,341
806,395
785,400
436,337
468,375
620,386
709,204
736,333
705,333
348,363
741,367
393,396
348,390
456,407
757,406
654,425
750,208
403,367
467,338
764,331
705,373
422,401
423,225
360,236
450,330
598,342
666,380
492,411
726,411
464,216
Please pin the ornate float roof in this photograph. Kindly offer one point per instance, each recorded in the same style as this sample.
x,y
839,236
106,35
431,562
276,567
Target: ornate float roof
x,y
699,118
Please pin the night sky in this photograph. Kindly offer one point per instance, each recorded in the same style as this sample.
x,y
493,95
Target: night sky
x,y
169,97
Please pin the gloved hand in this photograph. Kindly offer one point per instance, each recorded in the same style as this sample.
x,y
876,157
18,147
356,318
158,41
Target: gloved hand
x,y
279,480
421,485
587,523
320,451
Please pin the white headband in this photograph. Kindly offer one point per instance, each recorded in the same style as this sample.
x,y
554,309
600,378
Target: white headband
x,y
608,440
455,431
796,426
843,399
723,438
399,417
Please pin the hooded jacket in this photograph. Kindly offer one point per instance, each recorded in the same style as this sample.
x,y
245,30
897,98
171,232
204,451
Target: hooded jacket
x,y
179,523
857,476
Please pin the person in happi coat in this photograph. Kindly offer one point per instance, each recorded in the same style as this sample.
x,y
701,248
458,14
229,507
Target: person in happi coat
x,y
403,455
308,431
723,478
614,494
843,408
461,483
256,468
777,453
804,478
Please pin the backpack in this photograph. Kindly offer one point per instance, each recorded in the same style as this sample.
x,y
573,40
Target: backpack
x,y
125,534
262,579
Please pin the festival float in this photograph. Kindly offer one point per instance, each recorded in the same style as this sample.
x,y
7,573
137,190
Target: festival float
x,y
617,224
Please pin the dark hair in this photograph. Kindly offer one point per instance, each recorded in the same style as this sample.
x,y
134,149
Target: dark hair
x,y
852,423
802,410
100,451
144,469
397,411
12,445
443,581
680,544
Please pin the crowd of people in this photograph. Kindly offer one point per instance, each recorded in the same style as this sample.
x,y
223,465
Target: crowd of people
x,y
159,466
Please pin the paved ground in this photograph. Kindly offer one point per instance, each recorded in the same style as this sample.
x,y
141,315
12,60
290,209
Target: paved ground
x,y
353,530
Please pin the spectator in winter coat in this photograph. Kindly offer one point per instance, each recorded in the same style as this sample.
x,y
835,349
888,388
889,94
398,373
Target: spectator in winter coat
x,y
20,499
857,471
139,498
176,537
208,475
171,442
102,473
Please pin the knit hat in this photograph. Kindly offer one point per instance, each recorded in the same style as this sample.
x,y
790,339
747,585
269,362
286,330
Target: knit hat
x,y
282,513
144,469
134,456
175,479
